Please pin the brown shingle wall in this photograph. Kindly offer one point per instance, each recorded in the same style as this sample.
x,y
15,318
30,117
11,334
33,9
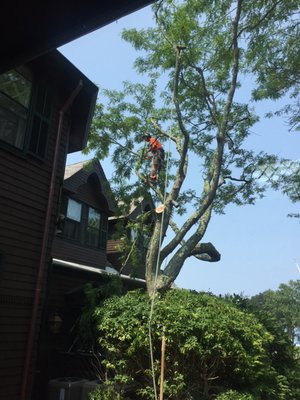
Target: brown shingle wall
x,y
24,187
68,251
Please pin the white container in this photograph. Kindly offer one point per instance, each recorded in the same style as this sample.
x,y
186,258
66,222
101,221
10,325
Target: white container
x,y
68,388
88,387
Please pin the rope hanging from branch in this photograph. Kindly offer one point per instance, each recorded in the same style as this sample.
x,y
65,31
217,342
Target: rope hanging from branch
x,y
161,210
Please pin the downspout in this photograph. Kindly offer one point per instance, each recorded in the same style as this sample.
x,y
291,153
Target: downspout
x,y
42,262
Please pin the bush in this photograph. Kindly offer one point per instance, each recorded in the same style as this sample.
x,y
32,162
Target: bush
x,y
106,392
234,395
210,344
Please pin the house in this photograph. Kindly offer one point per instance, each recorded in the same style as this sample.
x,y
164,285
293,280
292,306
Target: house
x,y
85,204
46,106
79,257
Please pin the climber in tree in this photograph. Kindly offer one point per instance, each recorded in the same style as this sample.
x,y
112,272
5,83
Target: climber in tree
x,y
158,155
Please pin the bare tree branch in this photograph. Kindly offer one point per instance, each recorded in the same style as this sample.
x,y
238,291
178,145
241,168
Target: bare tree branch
x,y
203,251
206,252
175,264
209,99
231,178
147,182
162,132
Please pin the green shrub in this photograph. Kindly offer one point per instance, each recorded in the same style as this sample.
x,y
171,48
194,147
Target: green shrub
x,y
210,344
234,395
106,392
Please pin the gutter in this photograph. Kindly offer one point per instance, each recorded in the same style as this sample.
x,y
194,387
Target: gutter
x,y
46,234
99,271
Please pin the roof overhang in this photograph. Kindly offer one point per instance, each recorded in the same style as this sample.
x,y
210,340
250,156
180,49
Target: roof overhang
x,y
31,28
58,69
97,271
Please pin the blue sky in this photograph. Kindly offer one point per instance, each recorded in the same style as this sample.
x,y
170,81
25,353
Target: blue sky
x,y
259,244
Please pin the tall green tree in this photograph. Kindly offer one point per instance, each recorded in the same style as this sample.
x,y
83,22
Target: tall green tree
x,y
193,59
279,312
283,304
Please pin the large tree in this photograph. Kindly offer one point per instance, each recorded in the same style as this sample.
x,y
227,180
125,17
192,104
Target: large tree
x,y
194,58
279,312
283,304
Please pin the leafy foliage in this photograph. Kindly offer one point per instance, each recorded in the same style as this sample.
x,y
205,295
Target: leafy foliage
x,y
106,392
192,60
94,295
278,311
283,304
274,56
234,395
211,346
284,175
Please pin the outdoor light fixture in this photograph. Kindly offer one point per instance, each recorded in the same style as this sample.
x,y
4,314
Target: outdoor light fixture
x,y
55,323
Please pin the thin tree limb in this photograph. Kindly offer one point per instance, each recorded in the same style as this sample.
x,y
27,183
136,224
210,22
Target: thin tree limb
x,y
261,19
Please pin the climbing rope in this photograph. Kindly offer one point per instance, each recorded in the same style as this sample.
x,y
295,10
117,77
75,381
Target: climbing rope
x,y
156,276
157,265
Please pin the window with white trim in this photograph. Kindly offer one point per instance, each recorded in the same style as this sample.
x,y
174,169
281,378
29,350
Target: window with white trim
x,y
73,220
84,224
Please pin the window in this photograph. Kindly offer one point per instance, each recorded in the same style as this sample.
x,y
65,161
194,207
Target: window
x,y
93,228
40,122
25,111
103,231
96,229
84,224
15,91
73,219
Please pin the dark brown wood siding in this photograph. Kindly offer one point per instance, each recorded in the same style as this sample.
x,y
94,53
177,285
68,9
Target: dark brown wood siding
x,y
113,254
112,246
24,188
68,251
66,298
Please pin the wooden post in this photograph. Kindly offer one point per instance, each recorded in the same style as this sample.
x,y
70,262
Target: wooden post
x,y
162,365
